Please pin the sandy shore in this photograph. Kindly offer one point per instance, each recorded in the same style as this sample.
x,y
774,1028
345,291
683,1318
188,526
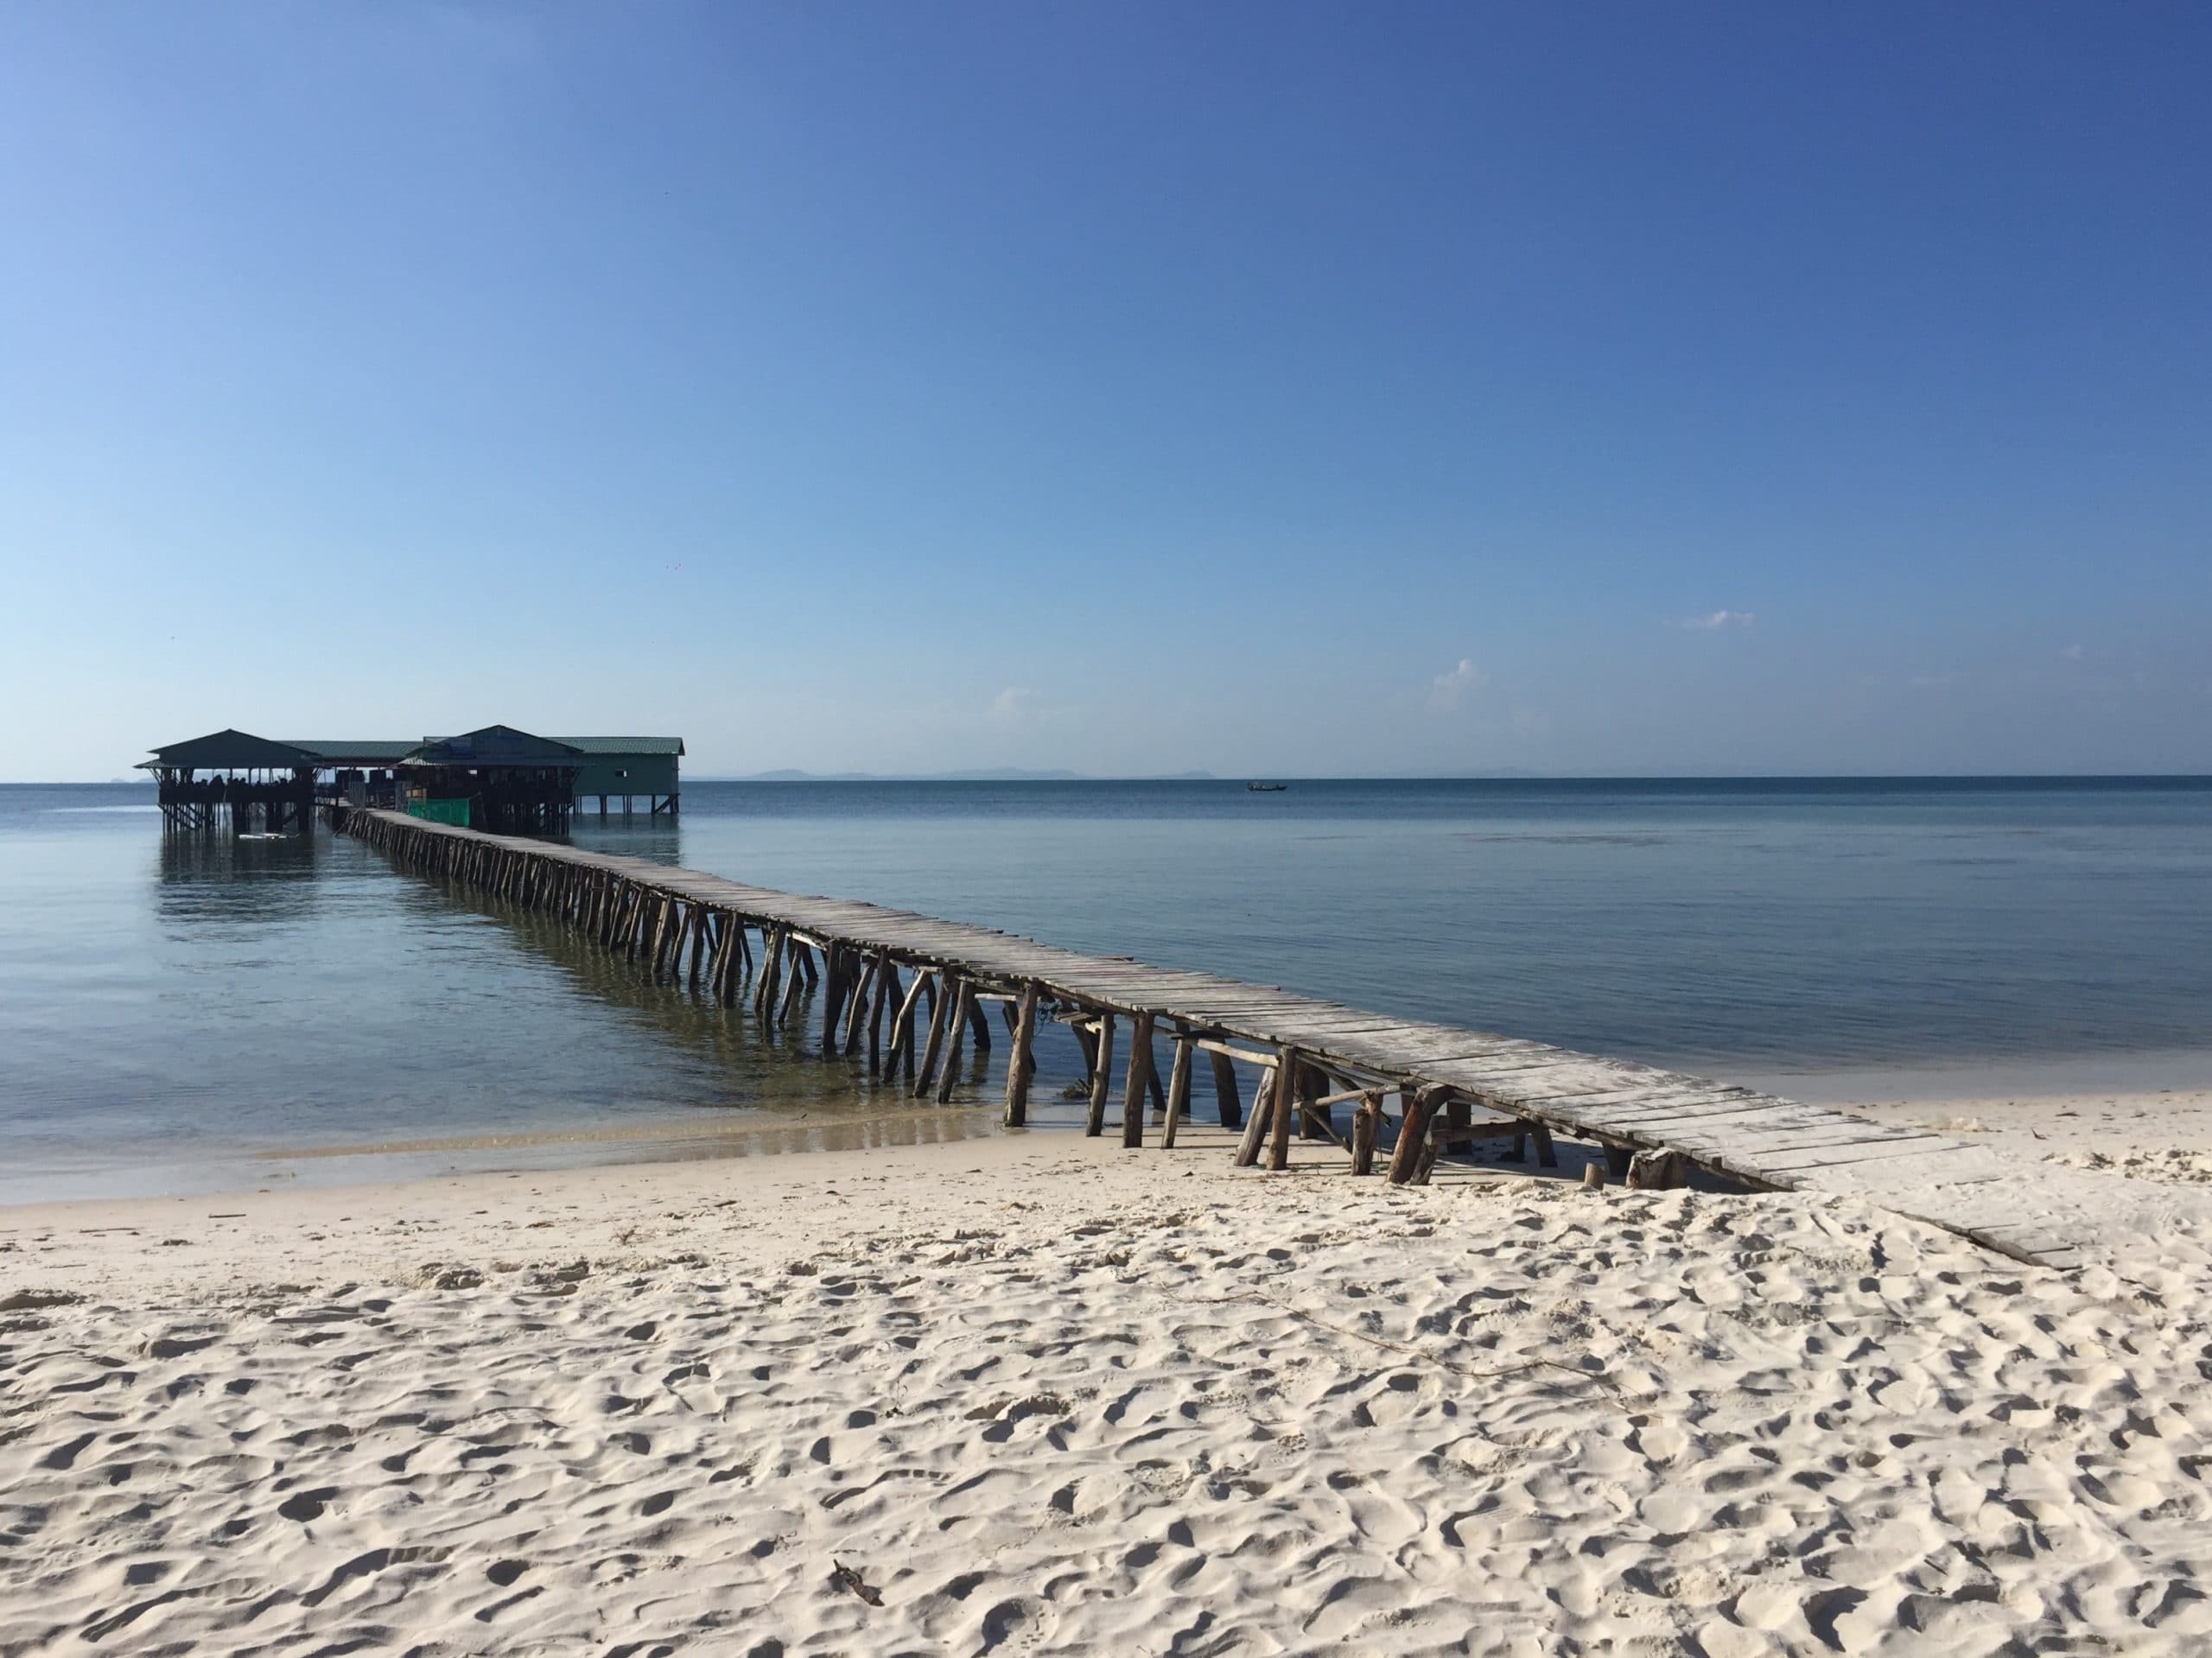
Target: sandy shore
x,y
1038,1395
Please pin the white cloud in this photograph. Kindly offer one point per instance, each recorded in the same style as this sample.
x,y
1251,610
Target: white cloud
x,y
2072,653
1450,690
1012,705
1715,620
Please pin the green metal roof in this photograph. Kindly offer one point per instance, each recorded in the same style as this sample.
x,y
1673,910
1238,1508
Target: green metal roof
x,y
625,745
498,745
229,751
240,749
369,750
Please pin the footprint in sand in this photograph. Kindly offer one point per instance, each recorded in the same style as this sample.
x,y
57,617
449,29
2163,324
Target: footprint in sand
x,y
1019,1623
304,1506
1670,1512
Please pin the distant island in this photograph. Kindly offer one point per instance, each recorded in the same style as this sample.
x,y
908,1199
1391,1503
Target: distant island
x,y
1016,774
991,774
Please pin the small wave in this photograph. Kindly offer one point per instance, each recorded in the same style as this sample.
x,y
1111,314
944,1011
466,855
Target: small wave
x,y
66,809
1562,838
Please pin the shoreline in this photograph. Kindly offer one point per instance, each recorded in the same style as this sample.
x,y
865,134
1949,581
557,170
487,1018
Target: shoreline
x,y
2164,1137
2140,1103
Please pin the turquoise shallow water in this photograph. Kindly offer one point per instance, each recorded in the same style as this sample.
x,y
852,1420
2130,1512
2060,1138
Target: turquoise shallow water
x,y
204,1013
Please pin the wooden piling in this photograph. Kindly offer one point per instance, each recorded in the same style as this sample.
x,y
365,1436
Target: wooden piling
x,y
797,974
902,1028
837,968
1179,1088
1413,1131
1289,1082
1086,1042
1102,1075
1366,1120
1227,1105
1257,1125
889,993
1133,1097
865,968
1020,1066
940,1010
765,982
963,1005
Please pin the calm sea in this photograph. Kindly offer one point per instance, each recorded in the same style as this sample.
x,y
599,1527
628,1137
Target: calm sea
x,y
199,1014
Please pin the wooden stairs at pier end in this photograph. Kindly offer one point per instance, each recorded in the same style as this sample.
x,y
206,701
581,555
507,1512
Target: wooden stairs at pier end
x,y
731,939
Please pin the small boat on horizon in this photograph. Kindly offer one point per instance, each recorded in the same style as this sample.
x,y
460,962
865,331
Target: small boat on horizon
x,y
1266,787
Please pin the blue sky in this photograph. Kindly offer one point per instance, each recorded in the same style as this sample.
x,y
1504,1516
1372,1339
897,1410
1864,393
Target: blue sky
x,y
1270,389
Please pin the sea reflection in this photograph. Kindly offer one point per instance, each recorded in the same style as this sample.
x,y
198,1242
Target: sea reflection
x,y
232,881
747,1061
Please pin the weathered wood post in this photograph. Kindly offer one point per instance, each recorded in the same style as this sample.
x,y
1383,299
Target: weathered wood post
x,y
798,961
837,973
902,1027
1255,1124
857,1002
1227,1104
1102,1077
1139,1083
1547,1153
963,1005
889,994
662,933
940,1010
772,970
1413,1131
1316,1121
725,929
683,917
1178,1087
1086,1040
1290,1082
1657,1169
1019,1065
1366,1120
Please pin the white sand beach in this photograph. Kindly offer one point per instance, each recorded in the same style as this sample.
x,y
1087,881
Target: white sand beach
x,y
1034,1393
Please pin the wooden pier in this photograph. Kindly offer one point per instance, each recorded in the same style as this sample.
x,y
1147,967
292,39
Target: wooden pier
x,y
908,991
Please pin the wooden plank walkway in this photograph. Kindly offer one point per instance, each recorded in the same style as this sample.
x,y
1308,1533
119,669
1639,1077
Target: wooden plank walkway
x,y
2034,1212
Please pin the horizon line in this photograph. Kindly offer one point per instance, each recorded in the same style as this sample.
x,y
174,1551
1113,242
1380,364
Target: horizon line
x,y
1015,775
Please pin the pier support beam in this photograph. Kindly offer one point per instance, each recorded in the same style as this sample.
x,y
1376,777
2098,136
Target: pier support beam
x,y
1179,1088
963,1005
1413,1133
1227,1104
1019,1065
1141,1081
1289,1084
1102,1075
940,1010
1255,1124
1366,1122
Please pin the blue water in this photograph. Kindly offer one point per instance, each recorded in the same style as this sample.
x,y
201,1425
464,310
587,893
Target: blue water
x,y
177,1013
